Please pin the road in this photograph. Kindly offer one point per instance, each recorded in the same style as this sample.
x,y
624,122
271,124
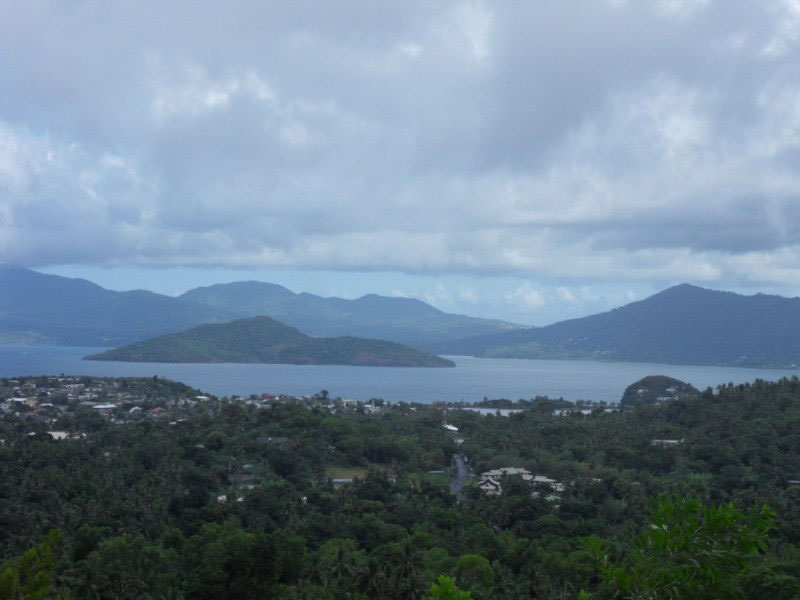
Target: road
x,y
462,472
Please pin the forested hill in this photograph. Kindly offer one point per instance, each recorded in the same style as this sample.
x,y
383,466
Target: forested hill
x,y
265,340
657,388
684,324
36,308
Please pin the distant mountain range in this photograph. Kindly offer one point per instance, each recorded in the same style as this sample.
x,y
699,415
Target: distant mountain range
x,y
684,324
265,340
48,309
403,320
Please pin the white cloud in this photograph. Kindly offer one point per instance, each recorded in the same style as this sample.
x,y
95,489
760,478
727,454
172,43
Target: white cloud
x,y
468,294
786,33
474,21
410,49
679,8
526,296
565,294
463,137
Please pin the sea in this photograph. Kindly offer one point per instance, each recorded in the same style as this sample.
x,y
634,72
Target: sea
x,y
472,380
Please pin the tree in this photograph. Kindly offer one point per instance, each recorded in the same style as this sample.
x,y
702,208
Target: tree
x,y
475,572
446,589
31,576
688,551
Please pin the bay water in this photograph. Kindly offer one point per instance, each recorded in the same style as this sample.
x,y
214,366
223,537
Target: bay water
x,y
472,380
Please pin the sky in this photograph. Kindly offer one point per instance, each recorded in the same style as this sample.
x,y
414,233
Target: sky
x,y
525,161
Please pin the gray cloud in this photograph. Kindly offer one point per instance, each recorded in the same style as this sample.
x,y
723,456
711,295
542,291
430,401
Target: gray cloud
x,y
612,140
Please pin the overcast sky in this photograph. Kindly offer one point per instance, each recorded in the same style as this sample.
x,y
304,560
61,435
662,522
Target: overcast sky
x,y
527,161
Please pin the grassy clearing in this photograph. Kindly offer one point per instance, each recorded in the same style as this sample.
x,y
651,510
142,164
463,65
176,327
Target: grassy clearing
x,y
345,472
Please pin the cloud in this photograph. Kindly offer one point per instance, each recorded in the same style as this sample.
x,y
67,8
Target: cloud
x,y
623,142
527,297
566,295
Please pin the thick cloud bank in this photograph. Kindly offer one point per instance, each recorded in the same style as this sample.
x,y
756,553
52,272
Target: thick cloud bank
x,y
634,141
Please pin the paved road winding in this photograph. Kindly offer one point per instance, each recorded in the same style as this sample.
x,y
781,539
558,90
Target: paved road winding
x,y
462,472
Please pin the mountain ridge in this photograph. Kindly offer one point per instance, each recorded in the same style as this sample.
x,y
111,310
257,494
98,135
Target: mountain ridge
x,y
683,324
413,321
51,309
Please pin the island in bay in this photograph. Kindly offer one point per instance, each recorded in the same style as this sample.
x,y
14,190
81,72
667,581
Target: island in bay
x,y
265,340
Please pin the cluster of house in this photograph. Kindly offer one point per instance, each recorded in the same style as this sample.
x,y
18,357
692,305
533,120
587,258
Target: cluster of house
x,y
666,443
585,409
490,482
323,402
672,394
44,398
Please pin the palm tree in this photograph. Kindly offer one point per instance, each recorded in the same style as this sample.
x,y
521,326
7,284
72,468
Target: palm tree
x,y
412,587
372,580
409,560
408,581
342,566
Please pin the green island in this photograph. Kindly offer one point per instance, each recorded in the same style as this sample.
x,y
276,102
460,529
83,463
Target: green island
x,y
146,488
265,340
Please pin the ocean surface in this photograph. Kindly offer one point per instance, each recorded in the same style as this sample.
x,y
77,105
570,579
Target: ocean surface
x,y
472,380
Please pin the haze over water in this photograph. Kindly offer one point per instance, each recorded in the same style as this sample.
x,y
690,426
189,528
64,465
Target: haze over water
x,y
471,380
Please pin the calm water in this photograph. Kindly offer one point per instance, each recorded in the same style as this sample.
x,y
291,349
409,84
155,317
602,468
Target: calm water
x,y
471,380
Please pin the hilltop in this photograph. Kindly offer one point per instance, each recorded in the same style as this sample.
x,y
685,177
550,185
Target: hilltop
x,y
265,340
657,388
684,324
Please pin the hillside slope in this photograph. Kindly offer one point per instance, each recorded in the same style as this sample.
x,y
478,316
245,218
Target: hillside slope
x,y
657,388
48,309
684,324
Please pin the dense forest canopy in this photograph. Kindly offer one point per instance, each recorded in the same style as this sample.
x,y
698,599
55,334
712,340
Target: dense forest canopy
x,y
192,496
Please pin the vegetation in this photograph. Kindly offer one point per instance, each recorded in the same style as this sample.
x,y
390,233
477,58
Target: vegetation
x,y
655,388
265,340
689,551
236,501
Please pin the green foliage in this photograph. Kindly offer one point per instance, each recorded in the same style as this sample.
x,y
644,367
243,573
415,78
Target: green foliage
x,y
475,572
31,576
235,501
688,551
648,389
223,561
128,567
445,589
